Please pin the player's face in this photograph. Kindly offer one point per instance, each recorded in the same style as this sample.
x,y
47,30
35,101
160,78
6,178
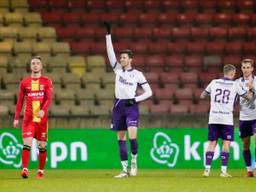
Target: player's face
x,y
36,65
247,69
125,60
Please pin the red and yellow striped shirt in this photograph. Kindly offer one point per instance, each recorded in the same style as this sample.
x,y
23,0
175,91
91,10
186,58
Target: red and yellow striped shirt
x,y
38,96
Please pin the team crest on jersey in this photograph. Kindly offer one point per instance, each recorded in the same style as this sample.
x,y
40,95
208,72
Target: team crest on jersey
x,y
41,87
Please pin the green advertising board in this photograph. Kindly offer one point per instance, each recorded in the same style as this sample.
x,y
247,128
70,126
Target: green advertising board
x,y
98,149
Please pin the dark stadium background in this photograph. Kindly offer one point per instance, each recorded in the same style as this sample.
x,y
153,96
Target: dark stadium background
x,y
179,45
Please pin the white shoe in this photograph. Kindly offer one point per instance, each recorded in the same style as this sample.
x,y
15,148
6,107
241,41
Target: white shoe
x,y
134,169
123,174
206,173
225,174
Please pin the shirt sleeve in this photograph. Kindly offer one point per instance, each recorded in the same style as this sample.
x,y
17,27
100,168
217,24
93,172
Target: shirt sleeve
x,y
145,86
111,54
208,88
20,101
48,96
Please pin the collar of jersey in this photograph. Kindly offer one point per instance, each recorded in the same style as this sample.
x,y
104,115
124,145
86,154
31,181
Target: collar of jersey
x,y
35,78
129,70
244,80
225,78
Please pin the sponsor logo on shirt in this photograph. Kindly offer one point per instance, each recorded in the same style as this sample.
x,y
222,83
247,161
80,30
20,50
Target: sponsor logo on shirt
x,y
36,94
221,112
124,81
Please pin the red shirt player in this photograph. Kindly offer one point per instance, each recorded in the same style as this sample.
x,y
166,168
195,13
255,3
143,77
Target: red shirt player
x,y
37,90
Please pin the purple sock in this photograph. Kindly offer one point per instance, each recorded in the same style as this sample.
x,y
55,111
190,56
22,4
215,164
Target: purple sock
x,y
208,157
247,157
134,146
224,158
123,150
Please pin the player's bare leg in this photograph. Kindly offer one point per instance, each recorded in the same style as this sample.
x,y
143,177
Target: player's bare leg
x,y
208,157
132,131
27,143
121,135
225,158
247,155
41,158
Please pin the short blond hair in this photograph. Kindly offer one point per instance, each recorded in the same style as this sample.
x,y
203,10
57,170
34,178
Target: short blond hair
x,y
227,68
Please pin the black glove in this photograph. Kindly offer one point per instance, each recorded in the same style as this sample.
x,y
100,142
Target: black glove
x,y
107,26
130,102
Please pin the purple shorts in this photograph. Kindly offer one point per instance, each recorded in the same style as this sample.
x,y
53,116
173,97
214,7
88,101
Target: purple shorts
x,y
124,116
247,128
225,132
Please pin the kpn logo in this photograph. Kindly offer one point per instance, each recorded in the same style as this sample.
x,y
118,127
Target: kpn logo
x,y
10,150
164,151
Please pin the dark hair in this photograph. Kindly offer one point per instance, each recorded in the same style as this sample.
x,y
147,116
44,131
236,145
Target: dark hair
x,y
128,52
247,61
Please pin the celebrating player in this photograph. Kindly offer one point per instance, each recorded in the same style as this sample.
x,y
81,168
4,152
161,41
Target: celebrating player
x,y
37,90
247,115
222,94
125,114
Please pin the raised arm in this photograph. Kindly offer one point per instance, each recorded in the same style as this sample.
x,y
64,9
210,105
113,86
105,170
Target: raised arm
x,y
110,49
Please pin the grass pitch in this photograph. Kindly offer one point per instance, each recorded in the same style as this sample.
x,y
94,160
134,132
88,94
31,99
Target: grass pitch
x,y
146,181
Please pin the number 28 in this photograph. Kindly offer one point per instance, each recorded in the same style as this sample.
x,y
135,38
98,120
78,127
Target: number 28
x,y
222,96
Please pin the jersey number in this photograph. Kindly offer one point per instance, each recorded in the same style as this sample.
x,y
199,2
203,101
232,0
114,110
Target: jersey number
x,y
222,96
